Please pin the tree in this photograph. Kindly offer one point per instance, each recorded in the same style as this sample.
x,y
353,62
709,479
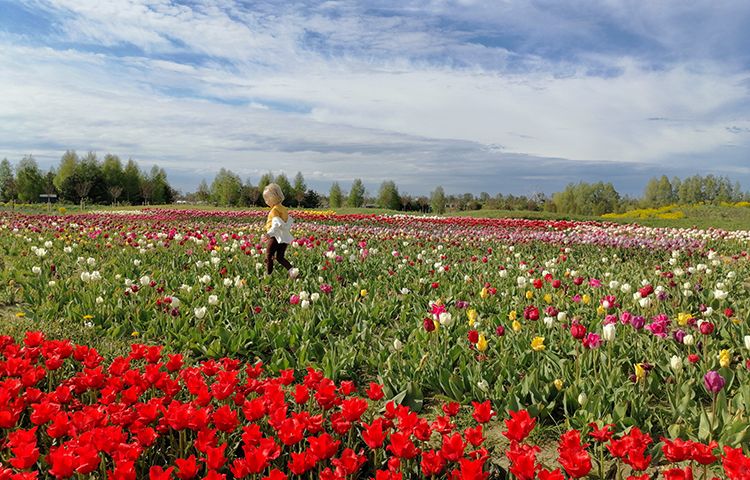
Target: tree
x,y
249,195
203,194
131,182
162,192
29,180
226,188
7,182
311,200
356,194
283,182
68,164
437,200
334,196
388,196
113,174
114,192
299,188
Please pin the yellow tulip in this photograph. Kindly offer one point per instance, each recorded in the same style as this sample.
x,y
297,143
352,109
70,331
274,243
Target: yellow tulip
x,y
558,384
20,314
134,334
537,344
548,298
472,316
482,343
516,326
88,317
601,310
683,318
484,293
724,358
640,372
529,294
512,315
363,293
586,299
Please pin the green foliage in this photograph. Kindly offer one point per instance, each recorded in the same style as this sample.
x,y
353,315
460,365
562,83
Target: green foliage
x,y
587,199
226,188
356,194
7,182
335,196
388,196
437,201
29,180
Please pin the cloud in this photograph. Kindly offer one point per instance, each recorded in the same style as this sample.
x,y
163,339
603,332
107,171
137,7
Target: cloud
x,y
424,92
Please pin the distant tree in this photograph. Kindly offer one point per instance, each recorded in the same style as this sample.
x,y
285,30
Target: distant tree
x,y
112,173
249,195
388,196
356,194
7,181
283,182
587,199
114,192
334,196
68,164
437,201
226,188
161,192
203,194
131,182
311,199
298,189
29,180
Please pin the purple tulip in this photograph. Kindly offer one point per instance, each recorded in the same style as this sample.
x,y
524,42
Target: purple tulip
x,y
679,335
638,322
713,381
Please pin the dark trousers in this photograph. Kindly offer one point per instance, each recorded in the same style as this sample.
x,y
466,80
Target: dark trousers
x,y
274,248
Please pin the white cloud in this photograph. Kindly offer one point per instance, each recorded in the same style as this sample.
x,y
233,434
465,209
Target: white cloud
x,y
381,93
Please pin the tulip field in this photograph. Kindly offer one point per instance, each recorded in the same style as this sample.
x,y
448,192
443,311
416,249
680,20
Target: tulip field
x,y
407,347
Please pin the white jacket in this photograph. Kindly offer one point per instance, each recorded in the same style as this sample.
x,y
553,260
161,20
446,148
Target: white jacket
x,y
281,230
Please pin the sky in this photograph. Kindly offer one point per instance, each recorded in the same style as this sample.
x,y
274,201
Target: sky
x,y
499,96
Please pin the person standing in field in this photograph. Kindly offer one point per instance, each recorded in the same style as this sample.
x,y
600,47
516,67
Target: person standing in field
x,y
278,230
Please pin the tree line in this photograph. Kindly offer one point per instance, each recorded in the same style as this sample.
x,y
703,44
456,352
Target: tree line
x,y
85,179
79,179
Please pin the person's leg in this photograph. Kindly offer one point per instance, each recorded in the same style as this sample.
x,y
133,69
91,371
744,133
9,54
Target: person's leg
x,y
271,248
280,251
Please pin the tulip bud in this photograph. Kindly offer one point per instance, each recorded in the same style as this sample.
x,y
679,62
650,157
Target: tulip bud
x,y
582,399
558,384
397,345
747,342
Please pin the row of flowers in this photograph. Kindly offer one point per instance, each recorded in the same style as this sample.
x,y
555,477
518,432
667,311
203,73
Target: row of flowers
x,y
66,412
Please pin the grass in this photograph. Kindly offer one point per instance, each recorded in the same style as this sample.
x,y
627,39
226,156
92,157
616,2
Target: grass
x,y
61,329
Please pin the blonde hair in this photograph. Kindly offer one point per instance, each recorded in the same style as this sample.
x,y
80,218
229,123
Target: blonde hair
x,y
273,195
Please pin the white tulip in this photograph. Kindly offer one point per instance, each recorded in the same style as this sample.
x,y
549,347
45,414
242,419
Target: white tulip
x,y
676,363
549,321
397,345
85,277
99,300
608,332
446,319
304,303
213,300
51,283
200,312
582,399
315,296
688,340
145,280
747,341
36,270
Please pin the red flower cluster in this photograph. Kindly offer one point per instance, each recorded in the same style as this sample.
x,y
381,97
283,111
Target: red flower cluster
x,y
64,412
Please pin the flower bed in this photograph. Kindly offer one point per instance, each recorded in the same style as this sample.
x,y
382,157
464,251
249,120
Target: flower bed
x,y
66,412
